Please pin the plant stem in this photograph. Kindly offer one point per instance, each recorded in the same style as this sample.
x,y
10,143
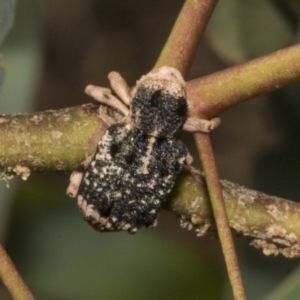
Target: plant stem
x,y
179,52
181,46
273,222
204,146
54,140
12,279
212,94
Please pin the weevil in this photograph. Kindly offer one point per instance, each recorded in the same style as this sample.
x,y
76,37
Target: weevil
x,y
123,184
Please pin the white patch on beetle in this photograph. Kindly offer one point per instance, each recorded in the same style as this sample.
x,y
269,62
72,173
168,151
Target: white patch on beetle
x,y
123,185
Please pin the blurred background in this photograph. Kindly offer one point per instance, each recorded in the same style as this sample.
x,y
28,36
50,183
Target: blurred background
x,y
53,50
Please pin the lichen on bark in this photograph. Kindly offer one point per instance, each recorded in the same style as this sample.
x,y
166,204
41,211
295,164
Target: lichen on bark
x,y
49,140
273,222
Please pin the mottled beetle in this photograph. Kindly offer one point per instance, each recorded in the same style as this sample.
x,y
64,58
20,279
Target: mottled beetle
x,y
123,185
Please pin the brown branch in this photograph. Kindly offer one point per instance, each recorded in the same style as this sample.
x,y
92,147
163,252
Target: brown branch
x,y
54,140
212,94
12,279
205,149
180,48
186,33
272,221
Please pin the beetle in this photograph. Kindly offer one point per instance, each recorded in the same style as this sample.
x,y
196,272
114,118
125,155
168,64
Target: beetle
x,y
123,184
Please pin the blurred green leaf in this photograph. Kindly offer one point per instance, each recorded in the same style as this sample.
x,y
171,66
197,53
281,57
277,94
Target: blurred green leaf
x,y
7,15
249,28
2,73
289,289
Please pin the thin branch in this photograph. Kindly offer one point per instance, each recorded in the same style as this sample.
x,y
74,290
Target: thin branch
x,y
180,48
186,33
12,279
54,140
272,221
212,94
204,146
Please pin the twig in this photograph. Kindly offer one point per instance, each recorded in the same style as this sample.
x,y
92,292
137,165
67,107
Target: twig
x,y
54,140
189,27
212,94
12,279
180,48
272,221
204,146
